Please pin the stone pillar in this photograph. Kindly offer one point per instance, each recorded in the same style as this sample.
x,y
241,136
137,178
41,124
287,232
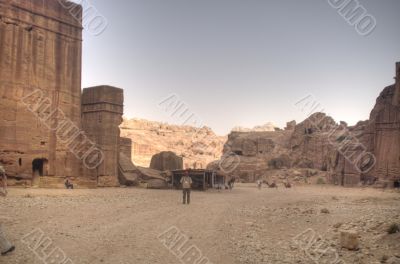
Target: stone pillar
x,y
102,110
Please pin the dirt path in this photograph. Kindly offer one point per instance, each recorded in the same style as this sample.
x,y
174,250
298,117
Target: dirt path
x,y
242,226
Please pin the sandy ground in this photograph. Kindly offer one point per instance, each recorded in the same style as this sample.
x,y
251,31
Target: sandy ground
x,y
246,225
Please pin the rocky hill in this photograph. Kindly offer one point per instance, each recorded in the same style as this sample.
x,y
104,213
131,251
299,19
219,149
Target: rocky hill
x,y
263,128
198,147
367,153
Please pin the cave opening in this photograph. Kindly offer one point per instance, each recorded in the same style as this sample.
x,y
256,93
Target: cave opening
x,y
396,184
39,169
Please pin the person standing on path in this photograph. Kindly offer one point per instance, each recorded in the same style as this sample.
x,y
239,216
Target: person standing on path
x,y
259,184
5,246
186,182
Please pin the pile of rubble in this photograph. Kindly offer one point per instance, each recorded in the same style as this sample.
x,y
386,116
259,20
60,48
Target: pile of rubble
x,y
155,177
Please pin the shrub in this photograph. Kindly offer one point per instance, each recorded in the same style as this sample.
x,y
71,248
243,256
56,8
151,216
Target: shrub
x,y
320,181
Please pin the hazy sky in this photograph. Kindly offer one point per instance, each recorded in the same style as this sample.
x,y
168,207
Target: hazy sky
x,y
242,62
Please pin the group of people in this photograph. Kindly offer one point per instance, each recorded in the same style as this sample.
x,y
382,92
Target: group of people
x,y
5,246
287,184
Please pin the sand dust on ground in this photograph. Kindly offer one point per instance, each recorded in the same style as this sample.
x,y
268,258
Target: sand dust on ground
x,y
246,225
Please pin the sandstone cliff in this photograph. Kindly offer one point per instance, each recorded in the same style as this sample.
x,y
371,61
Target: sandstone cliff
x,y
197,147
379,140
367,153
255,151
263,128
311,142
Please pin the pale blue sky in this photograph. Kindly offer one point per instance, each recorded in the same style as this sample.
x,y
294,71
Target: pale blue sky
x,y
242,62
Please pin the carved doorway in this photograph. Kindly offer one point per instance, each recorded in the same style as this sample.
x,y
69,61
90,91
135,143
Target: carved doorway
x,y
39,169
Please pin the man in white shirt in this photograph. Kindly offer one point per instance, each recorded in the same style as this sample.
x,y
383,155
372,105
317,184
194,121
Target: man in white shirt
x,y
186,182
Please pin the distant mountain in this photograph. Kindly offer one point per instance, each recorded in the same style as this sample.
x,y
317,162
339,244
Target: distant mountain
x,y
263,128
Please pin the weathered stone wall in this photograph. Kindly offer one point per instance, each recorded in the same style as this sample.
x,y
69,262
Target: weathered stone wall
x,y
310,142
125,147
102,110
386,121
40,48
255,150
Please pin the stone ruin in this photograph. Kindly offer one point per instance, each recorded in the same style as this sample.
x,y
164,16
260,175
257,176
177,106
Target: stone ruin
x,y
102,110
49,129
166,161
256,150
41,49
367,153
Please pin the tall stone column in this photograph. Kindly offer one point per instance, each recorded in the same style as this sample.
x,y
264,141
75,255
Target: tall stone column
x,y
102,110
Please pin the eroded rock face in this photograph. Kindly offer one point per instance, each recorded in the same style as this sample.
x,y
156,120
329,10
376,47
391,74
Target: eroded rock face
x,y
385,123
291,125
40,56
343,165
198,147
367,153
255,152
306,145
166,161
310,142
42,121
379,140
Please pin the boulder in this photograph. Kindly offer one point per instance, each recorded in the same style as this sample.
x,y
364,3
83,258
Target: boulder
x,y
349,240
127,173
166,160
291,125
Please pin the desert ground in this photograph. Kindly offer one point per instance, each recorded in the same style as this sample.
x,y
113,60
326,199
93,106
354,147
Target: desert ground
x,y
245,225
